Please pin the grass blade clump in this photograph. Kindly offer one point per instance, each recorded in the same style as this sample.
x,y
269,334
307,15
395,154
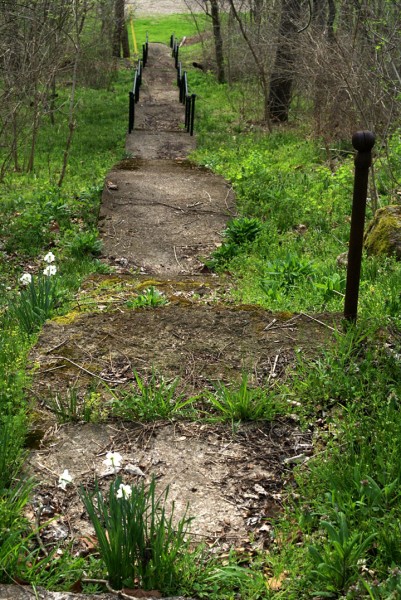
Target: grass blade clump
x,y
243,403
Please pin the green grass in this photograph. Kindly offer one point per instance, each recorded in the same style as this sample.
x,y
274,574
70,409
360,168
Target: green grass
x,y
352,488
302,206
160,28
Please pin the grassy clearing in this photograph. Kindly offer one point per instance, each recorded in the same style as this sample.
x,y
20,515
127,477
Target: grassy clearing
x,y
160,29
339,536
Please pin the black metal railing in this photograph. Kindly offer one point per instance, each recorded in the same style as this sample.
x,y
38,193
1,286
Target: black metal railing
x,y
185,96
134,93
145,50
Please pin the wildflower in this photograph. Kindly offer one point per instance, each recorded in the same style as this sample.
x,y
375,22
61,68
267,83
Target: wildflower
x,y
124,491
64,479
25,279
49,258
50,270
113,459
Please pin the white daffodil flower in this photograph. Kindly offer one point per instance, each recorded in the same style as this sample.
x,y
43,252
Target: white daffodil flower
x,y
124,491
50,270
64,479
113,459
49,258
25,279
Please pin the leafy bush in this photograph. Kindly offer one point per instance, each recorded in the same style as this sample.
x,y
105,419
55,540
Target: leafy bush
x,y
286,273
337,565
238,236
82,243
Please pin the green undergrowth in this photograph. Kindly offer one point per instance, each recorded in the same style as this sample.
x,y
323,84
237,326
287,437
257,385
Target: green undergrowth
x,y
298,203
153,397
38,216
343,521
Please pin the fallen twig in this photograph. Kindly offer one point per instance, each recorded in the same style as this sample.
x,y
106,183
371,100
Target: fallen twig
x,y
86,370
321,323
178,262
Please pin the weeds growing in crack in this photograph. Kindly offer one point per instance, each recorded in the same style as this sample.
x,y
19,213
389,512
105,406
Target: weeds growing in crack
x,y
243,403
151,398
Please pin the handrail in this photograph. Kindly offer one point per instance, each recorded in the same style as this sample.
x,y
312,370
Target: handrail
x,y
134,93
185,96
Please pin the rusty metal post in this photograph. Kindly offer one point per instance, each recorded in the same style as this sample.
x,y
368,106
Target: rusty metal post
x,y
363,142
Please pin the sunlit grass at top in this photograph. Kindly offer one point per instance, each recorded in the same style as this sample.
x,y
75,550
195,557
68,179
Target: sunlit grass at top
x,y
160,28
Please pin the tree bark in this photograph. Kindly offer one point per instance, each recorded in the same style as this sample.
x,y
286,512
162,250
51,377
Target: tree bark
x,y
120,35
281,82
218,40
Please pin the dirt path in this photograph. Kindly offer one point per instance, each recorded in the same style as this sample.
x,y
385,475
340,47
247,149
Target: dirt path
x,y
160,213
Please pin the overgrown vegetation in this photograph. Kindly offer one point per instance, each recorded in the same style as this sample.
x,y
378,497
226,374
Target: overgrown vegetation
x,y
339,534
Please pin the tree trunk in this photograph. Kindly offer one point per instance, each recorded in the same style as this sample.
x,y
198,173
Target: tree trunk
x,y
120,35
218,41
281,82
257,10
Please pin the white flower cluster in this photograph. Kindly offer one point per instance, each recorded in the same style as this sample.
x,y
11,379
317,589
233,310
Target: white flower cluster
x,y
124,491
50,269
113,459
26,278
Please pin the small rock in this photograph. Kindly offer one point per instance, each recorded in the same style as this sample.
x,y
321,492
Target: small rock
x,y
383,235
342,260
112,186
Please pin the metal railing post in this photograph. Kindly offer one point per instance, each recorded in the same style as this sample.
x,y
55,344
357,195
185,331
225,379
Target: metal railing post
x,y
184,92
131,115
363,142
136,86
172,40
182,88
179,71
187,111
176,56
192,119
